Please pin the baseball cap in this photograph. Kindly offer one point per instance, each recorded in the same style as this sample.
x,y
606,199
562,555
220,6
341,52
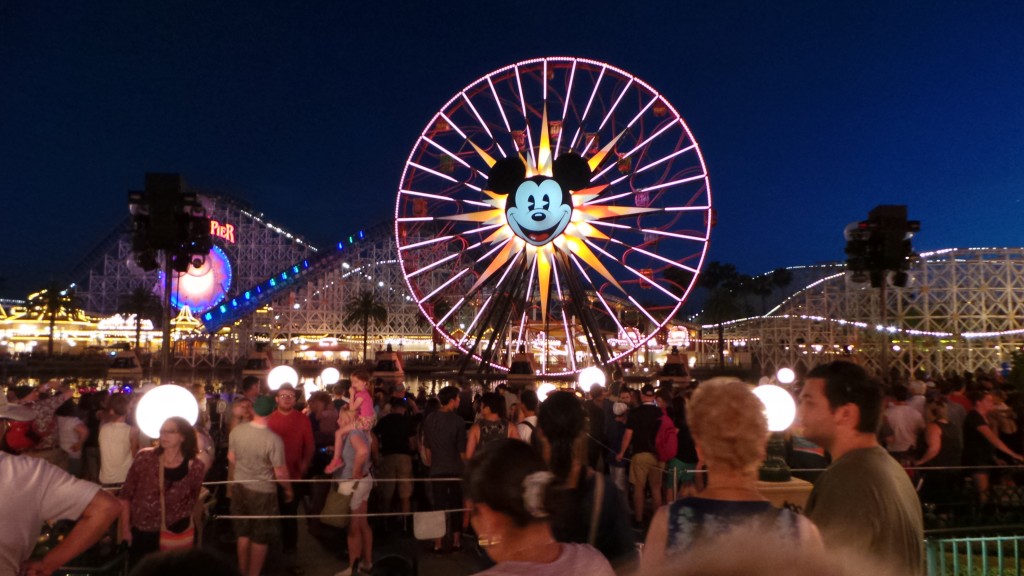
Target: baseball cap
x,y
285,386
264,405
14,411
647,390
619,408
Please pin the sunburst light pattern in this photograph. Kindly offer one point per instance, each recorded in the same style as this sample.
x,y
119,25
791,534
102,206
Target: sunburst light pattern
x,y
559,205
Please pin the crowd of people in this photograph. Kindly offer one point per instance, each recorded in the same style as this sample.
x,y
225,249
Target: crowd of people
x,y
607,481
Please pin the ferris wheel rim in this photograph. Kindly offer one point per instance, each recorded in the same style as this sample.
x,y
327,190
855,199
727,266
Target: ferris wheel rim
x,y
418,150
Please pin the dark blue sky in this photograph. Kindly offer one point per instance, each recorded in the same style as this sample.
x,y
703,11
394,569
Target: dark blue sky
x,y
808,113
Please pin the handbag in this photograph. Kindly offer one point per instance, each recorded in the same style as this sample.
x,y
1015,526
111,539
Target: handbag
x,y
428,525
337,507
173,540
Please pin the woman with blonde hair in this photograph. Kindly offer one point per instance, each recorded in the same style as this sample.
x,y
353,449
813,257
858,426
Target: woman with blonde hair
x,y
730,430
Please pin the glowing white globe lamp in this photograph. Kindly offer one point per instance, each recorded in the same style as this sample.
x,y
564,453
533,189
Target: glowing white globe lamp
x,y
778,406
161,403
330,376
785,375
780,409
544,389
591,376
282,375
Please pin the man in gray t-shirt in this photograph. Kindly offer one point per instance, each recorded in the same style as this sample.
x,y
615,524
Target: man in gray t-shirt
x,y
444,434
256,460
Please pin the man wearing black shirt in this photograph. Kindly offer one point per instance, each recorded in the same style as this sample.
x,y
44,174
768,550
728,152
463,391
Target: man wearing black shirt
x,y
396,438
644,470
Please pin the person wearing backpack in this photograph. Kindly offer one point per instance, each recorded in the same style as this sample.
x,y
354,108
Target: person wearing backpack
x,y
642,428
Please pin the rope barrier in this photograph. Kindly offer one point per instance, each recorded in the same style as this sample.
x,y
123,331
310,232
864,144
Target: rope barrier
x,y
318,516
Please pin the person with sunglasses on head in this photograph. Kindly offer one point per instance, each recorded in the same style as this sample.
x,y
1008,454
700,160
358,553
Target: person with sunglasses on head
x,y
296,431
149,504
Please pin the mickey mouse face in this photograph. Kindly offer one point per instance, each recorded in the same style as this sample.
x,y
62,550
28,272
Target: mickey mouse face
x,y
539,211
539,208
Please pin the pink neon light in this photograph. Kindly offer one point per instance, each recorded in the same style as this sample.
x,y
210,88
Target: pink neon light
x,y
450,312
445,285
448,152
667,158
569,344
477,114
453,125
644,310
686,208
674,235
674,182
597,291
568,91
433,265
424,243
417,219
434,172
476,318
597,85
614,106
497,101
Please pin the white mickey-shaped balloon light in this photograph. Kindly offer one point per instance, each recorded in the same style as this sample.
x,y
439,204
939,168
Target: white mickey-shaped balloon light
x,y
778,406
161,403
282,375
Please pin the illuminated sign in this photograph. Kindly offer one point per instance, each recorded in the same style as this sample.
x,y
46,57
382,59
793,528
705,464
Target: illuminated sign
x,y
225,232
204,287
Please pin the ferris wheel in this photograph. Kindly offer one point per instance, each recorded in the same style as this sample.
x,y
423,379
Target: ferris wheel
x,y
557,206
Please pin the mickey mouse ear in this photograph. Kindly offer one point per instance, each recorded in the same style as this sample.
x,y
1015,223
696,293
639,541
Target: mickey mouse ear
x,y
506,175
571,171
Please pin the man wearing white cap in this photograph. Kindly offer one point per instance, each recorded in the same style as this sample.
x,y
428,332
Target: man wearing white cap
x,y
34,492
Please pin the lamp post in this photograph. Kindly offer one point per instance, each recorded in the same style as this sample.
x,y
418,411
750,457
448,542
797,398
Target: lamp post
x,y
781,411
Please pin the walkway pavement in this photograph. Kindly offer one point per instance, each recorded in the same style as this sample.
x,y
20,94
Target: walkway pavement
x,y
327,553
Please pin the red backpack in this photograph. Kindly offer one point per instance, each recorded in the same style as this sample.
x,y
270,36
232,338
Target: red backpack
x,y
666,442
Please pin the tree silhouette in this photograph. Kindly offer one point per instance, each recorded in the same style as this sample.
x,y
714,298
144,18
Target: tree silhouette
x,y
725,298
51,304
364,307
144,305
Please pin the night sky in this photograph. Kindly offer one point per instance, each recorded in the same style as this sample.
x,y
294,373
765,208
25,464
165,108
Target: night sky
x,y
808,113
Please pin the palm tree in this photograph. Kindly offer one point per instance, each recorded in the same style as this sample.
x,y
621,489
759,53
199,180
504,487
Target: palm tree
x,y
363,308
144,305
52,303
725,286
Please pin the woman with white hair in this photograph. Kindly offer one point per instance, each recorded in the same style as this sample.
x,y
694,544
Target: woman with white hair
x,y
730,430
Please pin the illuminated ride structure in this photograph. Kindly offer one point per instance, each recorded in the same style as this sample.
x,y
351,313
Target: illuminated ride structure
x,y
260,286
962,309
556,204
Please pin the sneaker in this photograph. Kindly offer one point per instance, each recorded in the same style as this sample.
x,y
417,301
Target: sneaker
x,y
346,572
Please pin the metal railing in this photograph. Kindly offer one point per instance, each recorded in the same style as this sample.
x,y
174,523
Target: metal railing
x,y
975,555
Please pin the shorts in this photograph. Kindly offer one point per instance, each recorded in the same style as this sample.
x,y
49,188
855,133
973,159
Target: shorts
x,y
246,502
397,467
645,469
359,489
684,472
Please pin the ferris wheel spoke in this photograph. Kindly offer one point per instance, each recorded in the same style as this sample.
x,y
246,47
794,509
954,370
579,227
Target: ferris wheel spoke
x,y
668,261
665,159
673,183
501,108
615,105
477,114
454,126
447,152
469,329
433,265
674,235
433,172
565,105
644,310
569,348
446,284
593,95
597,291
